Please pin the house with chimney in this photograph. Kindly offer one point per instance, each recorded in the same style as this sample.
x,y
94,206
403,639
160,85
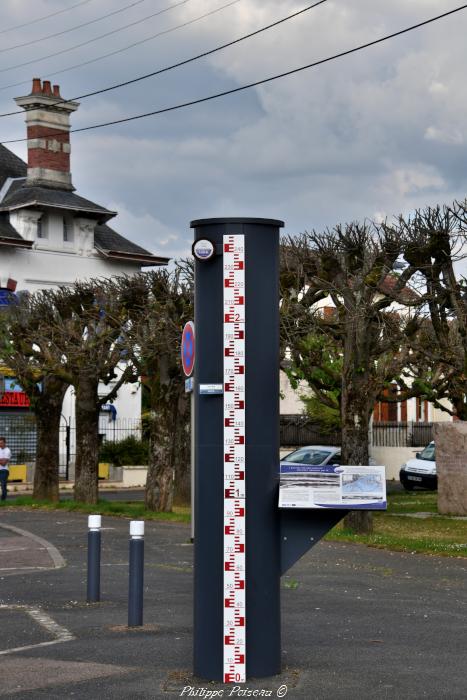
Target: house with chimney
x,y
50,235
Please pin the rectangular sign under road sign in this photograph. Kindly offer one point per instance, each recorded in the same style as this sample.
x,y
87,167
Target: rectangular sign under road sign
x,y
211,389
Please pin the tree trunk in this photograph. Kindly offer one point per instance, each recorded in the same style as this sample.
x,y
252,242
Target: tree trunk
x,y
87,440
460,406
160,480
163,430
357,404
181,453
48,409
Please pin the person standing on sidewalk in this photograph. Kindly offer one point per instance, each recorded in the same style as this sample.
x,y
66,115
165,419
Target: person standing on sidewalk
x,y
5,456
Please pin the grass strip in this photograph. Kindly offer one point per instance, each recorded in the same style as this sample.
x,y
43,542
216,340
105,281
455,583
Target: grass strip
x,y
126,509
414,502
437,536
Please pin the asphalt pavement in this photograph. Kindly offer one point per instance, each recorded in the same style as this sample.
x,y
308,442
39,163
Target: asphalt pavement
x,y
356,622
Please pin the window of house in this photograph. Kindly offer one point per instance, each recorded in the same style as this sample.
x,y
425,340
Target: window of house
x,y
40,229
67,230
421,410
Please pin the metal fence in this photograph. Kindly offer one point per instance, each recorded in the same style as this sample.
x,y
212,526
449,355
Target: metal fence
x,y
21,436
119,429
109,431
410,434
296,431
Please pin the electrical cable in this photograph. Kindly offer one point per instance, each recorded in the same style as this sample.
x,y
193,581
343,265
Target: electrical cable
x,y
73,29
130,46
96,38
264,80
44,17
175,65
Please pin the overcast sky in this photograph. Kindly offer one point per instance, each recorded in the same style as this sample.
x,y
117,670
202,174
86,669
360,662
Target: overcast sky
x,y
369,135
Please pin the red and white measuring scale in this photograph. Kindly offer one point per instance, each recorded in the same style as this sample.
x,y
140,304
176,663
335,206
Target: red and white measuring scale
x,y
234,460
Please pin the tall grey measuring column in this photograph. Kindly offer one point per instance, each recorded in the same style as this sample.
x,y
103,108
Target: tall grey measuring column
x,y
237,544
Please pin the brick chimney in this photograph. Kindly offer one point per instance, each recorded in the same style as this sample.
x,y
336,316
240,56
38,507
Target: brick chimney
x,y
48,127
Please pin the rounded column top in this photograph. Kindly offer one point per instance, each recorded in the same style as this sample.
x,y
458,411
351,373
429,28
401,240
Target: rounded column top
x,y
236,220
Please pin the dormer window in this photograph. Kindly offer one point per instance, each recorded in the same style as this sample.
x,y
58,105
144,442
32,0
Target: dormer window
x,y
67,230
40,229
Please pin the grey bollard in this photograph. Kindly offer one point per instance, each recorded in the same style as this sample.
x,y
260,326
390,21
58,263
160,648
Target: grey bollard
x,y
94,559
136,574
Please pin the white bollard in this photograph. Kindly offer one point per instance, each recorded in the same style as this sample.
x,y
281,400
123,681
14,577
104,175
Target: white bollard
x,y
94,559
136,574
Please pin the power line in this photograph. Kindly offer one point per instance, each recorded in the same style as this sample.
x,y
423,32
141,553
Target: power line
x,y
41,19
265,80
130,46
73,29
179,64
96,38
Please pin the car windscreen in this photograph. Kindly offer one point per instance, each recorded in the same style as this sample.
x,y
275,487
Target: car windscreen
x,y
428,453
307,457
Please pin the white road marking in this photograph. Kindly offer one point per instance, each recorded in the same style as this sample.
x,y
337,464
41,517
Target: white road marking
x,y
54,554
60,633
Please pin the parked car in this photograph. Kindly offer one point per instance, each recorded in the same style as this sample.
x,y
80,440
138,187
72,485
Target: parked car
x,y
421,471
315,455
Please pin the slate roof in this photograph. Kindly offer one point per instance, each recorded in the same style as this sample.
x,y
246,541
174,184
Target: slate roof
x,y
9,235
25,196
111,244
10,165
107,242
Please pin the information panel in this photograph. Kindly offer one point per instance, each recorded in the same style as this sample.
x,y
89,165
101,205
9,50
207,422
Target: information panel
x,y
349,487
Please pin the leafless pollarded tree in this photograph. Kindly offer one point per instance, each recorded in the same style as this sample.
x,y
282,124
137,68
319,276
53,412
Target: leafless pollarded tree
x,y
152,341
435,239
77,342
26,348
353,269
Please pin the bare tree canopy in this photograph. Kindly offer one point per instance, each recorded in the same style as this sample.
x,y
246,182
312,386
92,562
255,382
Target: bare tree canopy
x,y
26,348
435,246
152,341
344,285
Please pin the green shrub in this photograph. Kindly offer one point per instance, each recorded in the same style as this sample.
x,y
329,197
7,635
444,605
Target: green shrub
x,y
130,451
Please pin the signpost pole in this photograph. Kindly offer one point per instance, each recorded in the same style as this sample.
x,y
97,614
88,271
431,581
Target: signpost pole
x,y
192,454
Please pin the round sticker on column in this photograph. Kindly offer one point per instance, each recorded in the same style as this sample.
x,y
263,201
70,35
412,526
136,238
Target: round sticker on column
x,y
203,249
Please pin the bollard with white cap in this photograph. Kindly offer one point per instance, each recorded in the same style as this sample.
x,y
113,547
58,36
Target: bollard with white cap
x,y
94,559
136,574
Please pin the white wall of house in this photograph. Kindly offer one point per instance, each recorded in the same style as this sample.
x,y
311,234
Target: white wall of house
x,y
440,416
290,402
53,261
128,414
393,458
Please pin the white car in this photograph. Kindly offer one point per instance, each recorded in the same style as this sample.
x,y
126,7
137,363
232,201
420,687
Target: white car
x,y
420,471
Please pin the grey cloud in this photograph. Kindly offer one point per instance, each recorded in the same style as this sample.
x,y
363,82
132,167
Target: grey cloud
x,y
382,131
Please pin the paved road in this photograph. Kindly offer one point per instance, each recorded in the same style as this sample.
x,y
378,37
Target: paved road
x,y
357,623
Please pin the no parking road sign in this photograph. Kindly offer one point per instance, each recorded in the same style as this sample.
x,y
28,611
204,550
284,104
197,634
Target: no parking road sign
x,y
188,348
